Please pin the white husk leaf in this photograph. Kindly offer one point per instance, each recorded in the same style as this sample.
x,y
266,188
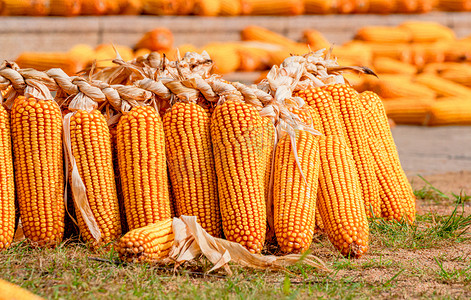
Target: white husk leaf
x,y
191,240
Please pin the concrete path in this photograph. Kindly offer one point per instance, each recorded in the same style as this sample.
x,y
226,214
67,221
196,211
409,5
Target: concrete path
x,y
433,150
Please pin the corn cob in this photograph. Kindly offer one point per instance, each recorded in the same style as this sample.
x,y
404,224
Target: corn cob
x,y
105,53
191,165
424,53
267,153
142,166
185,7
315,39
425,6
230,8
237,133
399,51
207,7
357,53
160,7
413,111
93,7
381,6
42,61
345,6
320,6
386,65
130,7
443,87
361,6
406,6
276,8
82,53
150,243
156,40
461,76
428,32
399,86
225,57
112,7
25,7
383,34
90,142
117,177
347,101
9,290
256,33
322,103
404,203
66,8
454,5
295,199
341,208
450,111
7,181
37,147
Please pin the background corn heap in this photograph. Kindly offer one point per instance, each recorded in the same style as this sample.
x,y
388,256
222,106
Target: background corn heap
x,y
149,139
224,7
424,70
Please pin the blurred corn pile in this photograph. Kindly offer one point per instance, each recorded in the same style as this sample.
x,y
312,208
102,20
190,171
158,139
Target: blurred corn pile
x,y
70,8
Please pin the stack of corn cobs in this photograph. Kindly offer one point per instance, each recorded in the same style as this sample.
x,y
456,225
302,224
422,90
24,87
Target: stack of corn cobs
x,y
149,139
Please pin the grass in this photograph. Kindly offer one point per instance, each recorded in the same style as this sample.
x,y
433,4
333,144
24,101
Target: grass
x,y
430,259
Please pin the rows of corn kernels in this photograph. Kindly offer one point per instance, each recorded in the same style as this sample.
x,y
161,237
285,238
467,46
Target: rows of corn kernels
x,y
144,140
424,70
224,7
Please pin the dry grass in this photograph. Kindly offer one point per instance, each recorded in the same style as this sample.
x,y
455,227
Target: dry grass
x,y
430,260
